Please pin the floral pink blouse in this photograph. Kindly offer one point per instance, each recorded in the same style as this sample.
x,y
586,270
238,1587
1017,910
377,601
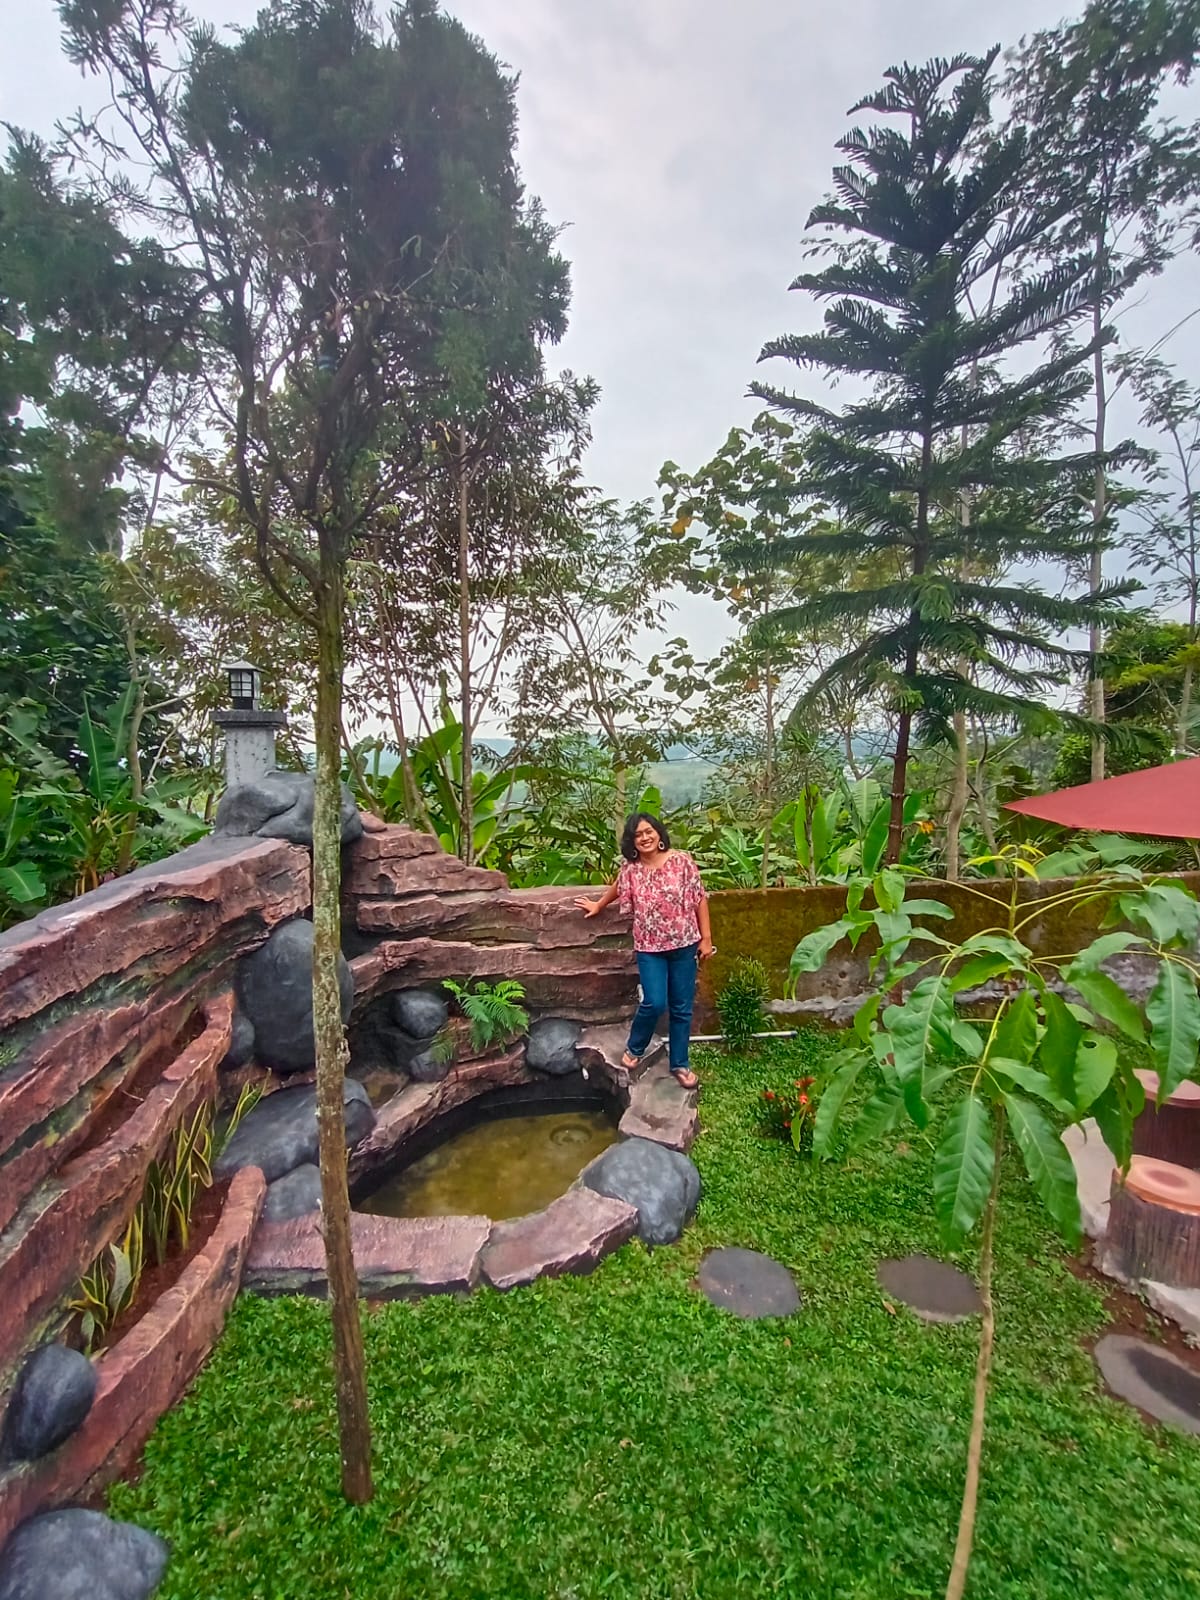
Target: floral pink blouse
x,y
663,900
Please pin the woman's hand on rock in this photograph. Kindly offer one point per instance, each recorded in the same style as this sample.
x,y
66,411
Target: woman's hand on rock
x,y
588,907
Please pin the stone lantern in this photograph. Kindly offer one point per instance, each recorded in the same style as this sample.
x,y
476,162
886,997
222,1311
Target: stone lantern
x,y
250,732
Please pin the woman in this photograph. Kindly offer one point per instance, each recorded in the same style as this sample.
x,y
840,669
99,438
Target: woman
x,y
671,929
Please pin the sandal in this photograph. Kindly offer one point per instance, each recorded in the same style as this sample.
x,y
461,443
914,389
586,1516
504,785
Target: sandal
x,y
629,1062
685,1078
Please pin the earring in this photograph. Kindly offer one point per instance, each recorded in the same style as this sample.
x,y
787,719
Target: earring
x,y
661,845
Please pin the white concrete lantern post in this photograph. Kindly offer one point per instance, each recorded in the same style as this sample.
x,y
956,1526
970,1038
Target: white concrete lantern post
x,y
250,732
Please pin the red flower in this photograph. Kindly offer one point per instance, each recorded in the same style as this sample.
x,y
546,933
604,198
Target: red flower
x,y
787,1124
803,1099
769,1094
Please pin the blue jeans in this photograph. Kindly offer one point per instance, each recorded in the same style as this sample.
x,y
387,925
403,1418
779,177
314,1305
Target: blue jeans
x,y
668,984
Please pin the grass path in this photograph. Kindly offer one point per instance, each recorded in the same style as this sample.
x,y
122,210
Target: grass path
x,y
615,1436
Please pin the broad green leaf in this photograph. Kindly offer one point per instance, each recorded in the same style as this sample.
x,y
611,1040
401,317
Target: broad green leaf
x,y
865,1016
928,908
889,889
967,1038
833,1098
1173,1009
879,1116
997,944
1109,1001
1095,1063
1108,944
811,954
893,926
1063,864
1016,1034
977,971
920,1025
22,883
1166,910
1113,1117
1049,1166
875,839
863,796
122,1273
962,1167
1030,1079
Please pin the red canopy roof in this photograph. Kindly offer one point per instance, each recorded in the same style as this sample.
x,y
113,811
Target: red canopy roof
x,y
1162,801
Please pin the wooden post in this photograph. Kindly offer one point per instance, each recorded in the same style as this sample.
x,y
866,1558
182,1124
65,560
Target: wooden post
x,y
1154,1224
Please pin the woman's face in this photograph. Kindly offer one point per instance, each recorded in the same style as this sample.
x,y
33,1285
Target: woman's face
x,y
646,839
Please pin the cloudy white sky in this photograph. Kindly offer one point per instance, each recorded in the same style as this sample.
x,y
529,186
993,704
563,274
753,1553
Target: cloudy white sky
x,y
681,143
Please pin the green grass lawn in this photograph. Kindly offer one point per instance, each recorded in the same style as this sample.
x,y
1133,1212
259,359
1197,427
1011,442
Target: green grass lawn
x,y
617,1436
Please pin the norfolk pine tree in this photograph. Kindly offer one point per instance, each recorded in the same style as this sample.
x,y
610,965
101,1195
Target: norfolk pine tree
x,y
926,208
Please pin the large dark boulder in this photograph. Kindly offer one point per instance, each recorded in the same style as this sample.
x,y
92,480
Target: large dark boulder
x,y
80,1555
241,1040
52,1395
274,992
296,1194
552,1042
420,1013
663,1184
280,1134
279,805
428,1067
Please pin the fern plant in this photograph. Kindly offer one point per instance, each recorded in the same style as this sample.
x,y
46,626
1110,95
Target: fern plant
x,y
493,1010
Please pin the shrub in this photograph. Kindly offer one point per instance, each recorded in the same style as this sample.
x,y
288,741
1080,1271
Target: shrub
x,y
740,1003
790,1114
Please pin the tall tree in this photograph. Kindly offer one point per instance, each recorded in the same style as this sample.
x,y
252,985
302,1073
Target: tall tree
x,y
340,194
924,210
737,531
1088,92
1166,540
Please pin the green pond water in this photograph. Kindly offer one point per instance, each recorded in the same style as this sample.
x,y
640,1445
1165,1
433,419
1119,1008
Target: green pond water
x,y
499,1169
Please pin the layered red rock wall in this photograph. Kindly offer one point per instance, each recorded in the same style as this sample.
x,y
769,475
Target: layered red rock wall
x,y
429,917
114,1015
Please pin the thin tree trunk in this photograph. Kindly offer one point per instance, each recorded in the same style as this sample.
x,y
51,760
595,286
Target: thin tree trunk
x,y
620,781
958,798
332,1055
1099,511
466,845
956,1587
768,775
1185,711
899,780
133,752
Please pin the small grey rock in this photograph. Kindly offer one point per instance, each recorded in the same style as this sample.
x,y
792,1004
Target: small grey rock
x,y
663,1184
241,1040
419,1012
552,1042
296,1194
274,992
428,1068
52,1395
279,805
80,1555
280,1134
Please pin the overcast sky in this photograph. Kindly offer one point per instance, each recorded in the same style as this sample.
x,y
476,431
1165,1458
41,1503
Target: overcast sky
x,y
681,144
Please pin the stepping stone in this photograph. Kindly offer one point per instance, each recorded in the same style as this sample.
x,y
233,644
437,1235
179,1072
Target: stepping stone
x,y
1152,1379
935,1291
748,1284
